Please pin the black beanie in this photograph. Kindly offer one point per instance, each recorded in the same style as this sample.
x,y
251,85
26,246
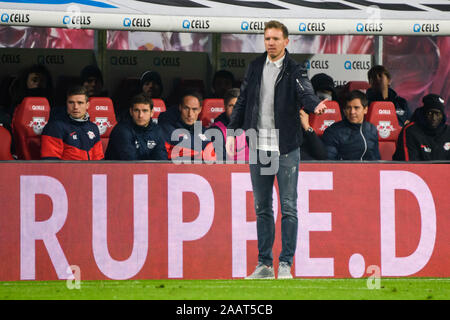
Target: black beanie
x,y
91,71
433,101
148,76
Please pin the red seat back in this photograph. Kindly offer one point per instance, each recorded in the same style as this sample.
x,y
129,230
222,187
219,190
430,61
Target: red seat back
x,y
320,122
383,116
357,85
5,144
159,107
101,112
211,109
29,119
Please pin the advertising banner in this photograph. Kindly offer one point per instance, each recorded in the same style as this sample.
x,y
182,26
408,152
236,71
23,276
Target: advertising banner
x,y
196,221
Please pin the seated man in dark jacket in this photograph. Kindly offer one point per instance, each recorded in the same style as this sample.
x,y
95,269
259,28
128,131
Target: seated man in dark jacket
x,y
137,138
185,137
428,136
70,135
380,90
352,138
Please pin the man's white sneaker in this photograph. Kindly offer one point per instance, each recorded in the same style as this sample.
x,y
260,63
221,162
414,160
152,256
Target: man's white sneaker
x,y
284,271
262,272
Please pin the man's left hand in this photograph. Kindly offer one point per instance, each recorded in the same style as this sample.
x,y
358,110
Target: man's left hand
x,y
321,107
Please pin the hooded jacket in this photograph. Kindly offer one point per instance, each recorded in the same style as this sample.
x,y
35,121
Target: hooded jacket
x,y
65,138
401,105
418,142
292,91
348,141
129,141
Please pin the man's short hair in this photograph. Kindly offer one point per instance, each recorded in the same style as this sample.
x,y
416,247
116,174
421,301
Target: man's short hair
x,y
273,24
224,74
77,90
141,99
192,93
231,94
377,70
356,94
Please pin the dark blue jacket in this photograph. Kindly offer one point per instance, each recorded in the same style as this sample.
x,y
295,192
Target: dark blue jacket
x,y
131,142
347,141
401,105
292,91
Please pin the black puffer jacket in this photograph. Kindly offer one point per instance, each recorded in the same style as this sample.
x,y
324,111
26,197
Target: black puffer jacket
x,y
347,141
292,91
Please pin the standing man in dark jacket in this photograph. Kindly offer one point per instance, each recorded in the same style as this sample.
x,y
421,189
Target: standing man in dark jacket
x,y
137,138
274,89
428,136
380,90
352,138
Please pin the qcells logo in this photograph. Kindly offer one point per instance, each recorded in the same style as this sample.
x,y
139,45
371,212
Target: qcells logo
x,y
15,18
195,24
356,65
316,64
369,27
137,22
311,26
426,27
77,20
252,25
167,61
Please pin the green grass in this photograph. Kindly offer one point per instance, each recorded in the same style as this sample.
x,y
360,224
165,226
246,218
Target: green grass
x,y
296,289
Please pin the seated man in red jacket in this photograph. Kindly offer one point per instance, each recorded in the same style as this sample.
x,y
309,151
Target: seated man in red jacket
x,y
71,136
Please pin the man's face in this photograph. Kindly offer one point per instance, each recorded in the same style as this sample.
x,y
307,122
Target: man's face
x,y
190,109
36,80
275,43
93,86
229,107
354,111
141,114
434,117
152,89
380,82
222,85
77,105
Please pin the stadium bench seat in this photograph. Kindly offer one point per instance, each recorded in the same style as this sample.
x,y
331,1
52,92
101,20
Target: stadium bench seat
x,y
159,107
101,112
5,144
320,122
357,85
211,109
383,116
29,119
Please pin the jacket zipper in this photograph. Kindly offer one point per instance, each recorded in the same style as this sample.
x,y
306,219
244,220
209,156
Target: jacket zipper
x,y
365,142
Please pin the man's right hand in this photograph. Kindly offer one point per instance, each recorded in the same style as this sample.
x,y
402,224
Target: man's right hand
x,y
229,146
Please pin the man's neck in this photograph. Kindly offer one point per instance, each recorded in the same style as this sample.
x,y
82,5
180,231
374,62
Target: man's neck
x,y
274,59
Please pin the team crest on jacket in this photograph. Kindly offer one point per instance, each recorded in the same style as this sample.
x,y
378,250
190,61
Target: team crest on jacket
x,y
38,124
103,124
151,144
425,148
91,135
447,146
384,129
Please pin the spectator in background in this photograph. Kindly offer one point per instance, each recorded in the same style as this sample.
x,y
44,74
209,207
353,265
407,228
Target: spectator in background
x,y
324,87
428,136
312,147
151,84
380,90
92,79
137,138
221,122
72,136
35,81
352,138
190,142
223,81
